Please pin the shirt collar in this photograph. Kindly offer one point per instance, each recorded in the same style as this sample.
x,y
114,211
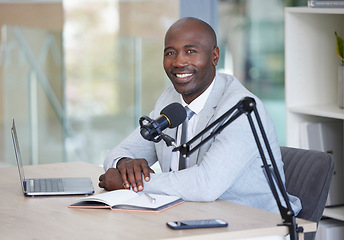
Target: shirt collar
x,y
198,104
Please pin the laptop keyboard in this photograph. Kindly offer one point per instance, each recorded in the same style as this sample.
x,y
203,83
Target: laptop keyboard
x,y
47,185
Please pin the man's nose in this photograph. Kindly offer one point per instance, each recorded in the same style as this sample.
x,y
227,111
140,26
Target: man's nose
x,y
181,60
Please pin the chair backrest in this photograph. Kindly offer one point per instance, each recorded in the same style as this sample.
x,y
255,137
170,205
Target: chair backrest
x,y
308,176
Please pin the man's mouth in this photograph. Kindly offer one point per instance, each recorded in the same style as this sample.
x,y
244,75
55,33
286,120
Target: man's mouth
x,y
183,78
183,75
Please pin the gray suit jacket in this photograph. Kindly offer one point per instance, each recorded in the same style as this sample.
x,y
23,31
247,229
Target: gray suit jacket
x,y
226,167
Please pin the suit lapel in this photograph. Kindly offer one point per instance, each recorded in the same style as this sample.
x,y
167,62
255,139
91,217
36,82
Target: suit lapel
x,y
205,117
167,151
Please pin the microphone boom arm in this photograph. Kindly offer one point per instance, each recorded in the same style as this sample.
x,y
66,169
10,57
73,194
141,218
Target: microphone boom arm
x,y
246,106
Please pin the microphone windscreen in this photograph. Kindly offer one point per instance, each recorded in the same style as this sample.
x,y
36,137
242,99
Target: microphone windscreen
x,y
175,113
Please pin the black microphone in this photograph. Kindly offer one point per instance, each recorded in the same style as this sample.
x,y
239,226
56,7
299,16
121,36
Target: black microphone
x,y
170,117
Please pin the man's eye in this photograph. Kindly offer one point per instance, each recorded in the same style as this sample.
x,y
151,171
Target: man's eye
x,y
169,53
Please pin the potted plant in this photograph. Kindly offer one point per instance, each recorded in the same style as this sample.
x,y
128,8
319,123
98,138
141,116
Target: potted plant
x,y
340,53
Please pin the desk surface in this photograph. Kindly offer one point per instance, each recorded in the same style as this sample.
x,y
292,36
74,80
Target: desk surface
x,y
50,218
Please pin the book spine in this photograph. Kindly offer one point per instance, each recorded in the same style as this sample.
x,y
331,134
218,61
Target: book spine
x,y
326,4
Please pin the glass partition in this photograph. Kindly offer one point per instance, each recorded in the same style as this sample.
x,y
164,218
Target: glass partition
x,y
114,71
32,93
105,104
112,64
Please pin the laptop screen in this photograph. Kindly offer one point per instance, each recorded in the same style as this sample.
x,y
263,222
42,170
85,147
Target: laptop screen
x,y
17,153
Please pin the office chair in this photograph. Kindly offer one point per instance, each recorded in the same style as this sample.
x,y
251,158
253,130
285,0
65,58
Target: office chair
x,y
308,176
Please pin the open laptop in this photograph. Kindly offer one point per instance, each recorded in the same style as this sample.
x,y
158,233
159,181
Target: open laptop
x,y
49,186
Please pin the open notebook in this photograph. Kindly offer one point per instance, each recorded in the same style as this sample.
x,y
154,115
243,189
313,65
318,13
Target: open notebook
x,y
128,200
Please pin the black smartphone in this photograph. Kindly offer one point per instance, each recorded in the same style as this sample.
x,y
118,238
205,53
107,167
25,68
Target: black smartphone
x,y
206,223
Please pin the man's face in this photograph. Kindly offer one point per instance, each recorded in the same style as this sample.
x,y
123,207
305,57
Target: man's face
x,y
189,60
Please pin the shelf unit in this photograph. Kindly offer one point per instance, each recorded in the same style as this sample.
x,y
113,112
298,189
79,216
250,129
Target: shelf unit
x,y
311,73
336,213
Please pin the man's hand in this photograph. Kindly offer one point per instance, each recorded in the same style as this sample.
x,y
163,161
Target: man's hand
x,y
111,180
131,171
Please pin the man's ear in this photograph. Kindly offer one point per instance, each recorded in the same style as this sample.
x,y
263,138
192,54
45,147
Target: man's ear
x,y
216,55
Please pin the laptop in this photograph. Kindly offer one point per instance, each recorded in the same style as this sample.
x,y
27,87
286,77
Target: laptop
x,y
49,186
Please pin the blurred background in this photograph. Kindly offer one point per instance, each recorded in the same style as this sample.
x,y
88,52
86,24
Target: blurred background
x,y
77,75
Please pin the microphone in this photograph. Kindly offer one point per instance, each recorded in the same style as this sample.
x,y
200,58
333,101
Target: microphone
x,y
170,117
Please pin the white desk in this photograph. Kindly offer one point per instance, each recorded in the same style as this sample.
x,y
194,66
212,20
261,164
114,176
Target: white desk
x,y
50,218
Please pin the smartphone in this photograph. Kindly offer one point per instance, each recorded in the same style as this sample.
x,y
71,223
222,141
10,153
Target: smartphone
x,y
206,223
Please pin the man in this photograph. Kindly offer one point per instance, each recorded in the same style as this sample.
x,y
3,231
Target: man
x,y
226,167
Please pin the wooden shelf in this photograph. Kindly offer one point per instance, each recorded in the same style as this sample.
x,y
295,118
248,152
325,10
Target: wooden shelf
x,y
334,212
328,111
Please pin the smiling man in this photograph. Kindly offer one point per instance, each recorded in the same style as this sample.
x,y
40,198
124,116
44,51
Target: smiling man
x,y
228,166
